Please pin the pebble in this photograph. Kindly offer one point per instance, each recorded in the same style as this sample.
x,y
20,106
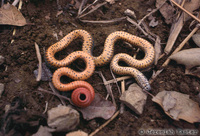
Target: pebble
x,y
1,88
2,60
63,119
134,98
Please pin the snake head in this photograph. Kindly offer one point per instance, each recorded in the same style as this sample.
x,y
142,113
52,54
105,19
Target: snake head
x,y
143,82
146,87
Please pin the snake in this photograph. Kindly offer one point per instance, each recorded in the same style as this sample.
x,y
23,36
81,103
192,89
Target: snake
x,y
83,93
108,52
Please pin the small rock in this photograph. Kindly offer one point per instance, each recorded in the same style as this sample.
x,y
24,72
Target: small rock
x,y
63,118
1,89
2,60
134,98
43,131
77,133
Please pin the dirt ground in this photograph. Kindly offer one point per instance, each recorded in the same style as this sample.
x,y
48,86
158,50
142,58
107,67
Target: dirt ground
x,y
21,61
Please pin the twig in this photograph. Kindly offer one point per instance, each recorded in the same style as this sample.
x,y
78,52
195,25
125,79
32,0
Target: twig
x,y
115,81
106,123
88,6
153,11
46,107
20,5
15,2
182,4
81,6
95,8
150,34
135,54
56,92
148,93
174,32
40,62
104,21
123,90
58,95
108,87
182,44
194,17
175,51
139,27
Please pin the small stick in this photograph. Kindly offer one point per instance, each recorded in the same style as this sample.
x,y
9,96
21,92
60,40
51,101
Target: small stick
x,y
40,62
182,44
15,2
46,107
88,6
108,87
194,17
117,79
139,27
123,90
153,11
123,86
135,55
104,21
81,6
58,95
56,92
106,123
95,8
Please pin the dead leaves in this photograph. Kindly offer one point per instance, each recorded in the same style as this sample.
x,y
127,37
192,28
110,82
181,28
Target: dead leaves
x,y
9,15
189,57
98,108
178,106
196,39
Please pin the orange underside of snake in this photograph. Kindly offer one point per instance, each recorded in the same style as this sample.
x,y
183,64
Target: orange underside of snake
x,y
106,56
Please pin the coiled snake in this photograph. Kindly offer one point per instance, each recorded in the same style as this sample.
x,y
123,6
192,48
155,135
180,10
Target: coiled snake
x,y
101,60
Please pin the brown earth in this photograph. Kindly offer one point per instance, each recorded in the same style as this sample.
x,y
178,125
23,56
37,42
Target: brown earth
x,y
21,61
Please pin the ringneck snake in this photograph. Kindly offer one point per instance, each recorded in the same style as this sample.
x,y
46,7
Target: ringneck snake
x,y
105,57
83,93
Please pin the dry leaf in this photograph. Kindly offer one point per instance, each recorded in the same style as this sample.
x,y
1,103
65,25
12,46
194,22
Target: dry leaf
x,y
158,49
194,72
190,5
98,108
196,39
189,57
166,10
9,15
178,25
178,106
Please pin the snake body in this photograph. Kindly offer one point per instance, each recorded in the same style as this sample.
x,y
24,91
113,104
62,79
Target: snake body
x,y
105,57
79,86
108,52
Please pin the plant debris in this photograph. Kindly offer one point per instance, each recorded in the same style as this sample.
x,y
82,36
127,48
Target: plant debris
x,y
196,39
188,57
99,108
10,15
178,106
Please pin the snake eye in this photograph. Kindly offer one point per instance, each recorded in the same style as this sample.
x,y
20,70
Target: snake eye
x,y
147,87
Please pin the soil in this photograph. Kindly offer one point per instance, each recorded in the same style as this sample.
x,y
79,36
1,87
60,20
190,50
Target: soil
x,y
21,61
